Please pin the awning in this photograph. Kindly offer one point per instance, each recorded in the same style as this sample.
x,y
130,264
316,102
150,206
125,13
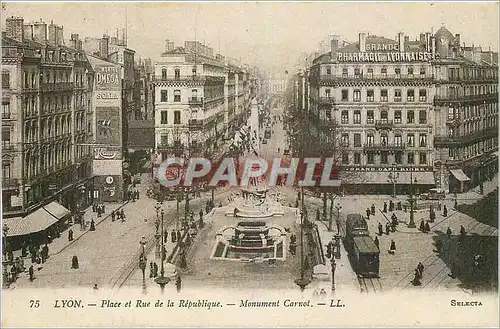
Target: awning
x,y
33,223
382,177
460,175
56,210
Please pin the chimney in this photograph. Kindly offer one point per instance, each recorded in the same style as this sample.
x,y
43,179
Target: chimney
x,y
401,40
40,32
15,28
28,31
433,44
428,46
457,39
422,39
334,46
104,47
74,40
362,42
59,35
52,34
79,45
407,39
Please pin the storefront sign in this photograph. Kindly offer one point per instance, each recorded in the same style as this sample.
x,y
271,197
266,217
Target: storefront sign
x,y
385,57
382,47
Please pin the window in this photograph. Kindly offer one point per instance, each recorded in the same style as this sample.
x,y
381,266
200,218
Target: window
x,y
398,140
410,95
177,73
5,137
397,116
357,158
384,116
344,118
383,157
397,71
345,158
422,158
370,73
5,80
164,117
357,73
164,95
398,157
422,117
328,114
345,95
422,71
164,74
345,140
164,139
383,72
369,95
370,119
6,170
383,139
410,72
328,70
177,96
397,95
383,95
370,139
357,140
411,159
410,116
357,116
410,141
370,158
177,117
345,73
356,95
6,110
422,95
423,140
327,93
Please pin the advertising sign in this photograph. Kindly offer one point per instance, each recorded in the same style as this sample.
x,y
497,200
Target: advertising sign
x,y
109,187
108,126
107,153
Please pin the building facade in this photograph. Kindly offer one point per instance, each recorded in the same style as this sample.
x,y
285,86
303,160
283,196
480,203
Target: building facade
x,y
47,107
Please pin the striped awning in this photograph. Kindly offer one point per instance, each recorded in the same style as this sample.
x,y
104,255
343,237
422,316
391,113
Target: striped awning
x,y
460,175
56,210
33,223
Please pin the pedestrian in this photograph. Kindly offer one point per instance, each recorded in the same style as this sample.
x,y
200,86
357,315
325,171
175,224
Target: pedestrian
x,y
445,211
439,206
45,251
448,232
462,231
103,208
74,262
165,236
377,243
201,214
373,209
112,216
178,283
380,229
391,205
385,206
173,236
70,235
151,270
122,215
420,268
155,267
432,215
416,278
387,228
179,235
394,219
367,213
427,227
422,226
94,208
31,272
392,248
92,225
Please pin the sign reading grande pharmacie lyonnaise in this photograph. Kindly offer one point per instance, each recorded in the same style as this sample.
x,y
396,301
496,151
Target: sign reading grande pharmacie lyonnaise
x,y
385,57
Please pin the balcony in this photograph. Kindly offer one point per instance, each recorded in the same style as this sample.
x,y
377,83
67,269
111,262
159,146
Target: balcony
x,y
10,183
384,124
57,86
441,99
187,78
448,141
383,147
326,100
195,100
372,77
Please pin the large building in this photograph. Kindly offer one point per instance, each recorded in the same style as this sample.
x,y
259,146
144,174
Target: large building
x,y
199,101
386,96
47,90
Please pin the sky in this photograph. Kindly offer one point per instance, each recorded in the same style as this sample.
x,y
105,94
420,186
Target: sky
x,y
271,35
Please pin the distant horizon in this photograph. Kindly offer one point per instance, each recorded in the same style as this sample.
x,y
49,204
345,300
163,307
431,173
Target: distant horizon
x,y
274,36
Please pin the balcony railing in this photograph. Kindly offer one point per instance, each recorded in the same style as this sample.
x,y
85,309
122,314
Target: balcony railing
x,y
326,100
446,141
464,98
195,100
51,86
10,183
384,124
383,147
169,78
330,77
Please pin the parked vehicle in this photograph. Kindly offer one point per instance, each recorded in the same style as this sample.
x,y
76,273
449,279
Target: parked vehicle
x,y
434,194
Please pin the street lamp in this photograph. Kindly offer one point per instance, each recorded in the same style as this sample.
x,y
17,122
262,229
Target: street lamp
x,y
142,263
393,178
162,280
411,224
338,207
334,266
302,282
5,230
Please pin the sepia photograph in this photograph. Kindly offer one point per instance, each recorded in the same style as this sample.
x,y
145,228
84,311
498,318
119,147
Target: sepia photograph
x,y
249,164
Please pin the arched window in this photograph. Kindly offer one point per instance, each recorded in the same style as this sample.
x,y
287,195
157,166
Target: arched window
x,y
164,73
177,74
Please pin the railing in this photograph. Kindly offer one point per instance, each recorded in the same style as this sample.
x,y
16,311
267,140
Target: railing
x,y
383,124
195,100
465,98
189,78
330,77
51,86
326,100
468,138
383,147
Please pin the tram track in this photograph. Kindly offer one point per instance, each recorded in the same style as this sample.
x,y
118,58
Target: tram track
x,y
370,285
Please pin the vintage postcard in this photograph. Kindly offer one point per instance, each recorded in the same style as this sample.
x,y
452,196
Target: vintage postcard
x,y
249,164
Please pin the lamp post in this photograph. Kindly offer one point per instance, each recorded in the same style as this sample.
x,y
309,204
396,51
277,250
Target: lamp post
x,y
334,267
157,234
411,224
5,230
142,264
302,282
393,178
162,280
338,207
